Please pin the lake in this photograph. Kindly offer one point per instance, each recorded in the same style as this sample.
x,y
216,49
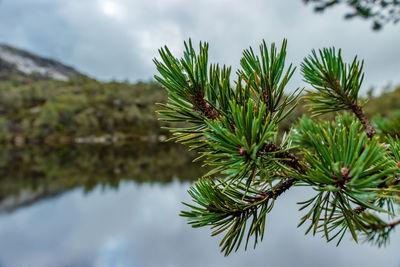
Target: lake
x,y
117,206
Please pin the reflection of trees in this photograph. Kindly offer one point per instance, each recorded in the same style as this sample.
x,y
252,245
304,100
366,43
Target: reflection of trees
x,y
32,173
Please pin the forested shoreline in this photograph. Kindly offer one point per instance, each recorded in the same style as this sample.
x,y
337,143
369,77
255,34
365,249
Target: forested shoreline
x,y
79,110
85,110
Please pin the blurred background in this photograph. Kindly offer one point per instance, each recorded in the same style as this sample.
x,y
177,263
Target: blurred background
x,y
86,175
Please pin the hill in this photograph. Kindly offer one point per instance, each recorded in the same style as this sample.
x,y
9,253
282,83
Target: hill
x,y
15,61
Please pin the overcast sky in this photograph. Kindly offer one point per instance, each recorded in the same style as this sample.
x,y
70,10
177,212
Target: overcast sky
x,y
117,39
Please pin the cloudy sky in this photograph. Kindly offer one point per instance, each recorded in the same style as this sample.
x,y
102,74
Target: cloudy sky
x,y
117,39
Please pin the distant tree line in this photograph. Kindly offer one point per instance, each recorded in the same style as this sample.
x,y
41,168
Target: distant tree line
x,y
36,111
51,110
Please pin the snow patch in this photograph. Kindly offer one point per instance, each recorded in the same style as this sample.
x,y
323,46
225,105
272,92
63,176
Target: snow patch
x,y
29,66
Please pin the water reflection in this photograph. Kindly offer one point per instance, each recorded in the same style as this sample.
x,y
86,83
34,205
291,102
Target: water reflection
x,y
30,174
137,225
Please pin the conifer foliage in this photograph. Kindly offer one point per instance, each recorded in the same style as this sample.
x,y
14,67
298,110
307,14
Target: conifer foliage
x,y
234,127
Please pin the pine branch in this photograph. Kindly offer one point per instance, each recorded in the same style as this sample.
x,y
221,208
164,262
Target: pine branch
x,y
388,225
337,85
345,167
277,191
235,130
267,79
227,208
369,128
246,152
201,106
293,161
377,230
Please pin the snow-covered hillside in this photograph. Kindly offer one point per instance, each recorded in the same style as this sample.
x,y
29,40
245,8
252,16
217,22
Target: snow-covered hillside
x,y
14,60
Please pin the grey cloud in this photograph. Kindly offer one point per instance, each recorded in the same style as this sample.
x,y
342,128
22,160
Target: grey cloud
x,y
121,44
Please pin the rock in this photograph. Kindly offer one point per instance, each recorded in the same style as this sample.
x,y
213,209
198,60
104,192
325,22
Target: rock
x,y
14,61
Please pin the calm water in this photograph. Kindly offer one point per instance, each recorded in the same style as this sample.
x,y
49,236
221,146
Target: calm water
x,y
118,206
